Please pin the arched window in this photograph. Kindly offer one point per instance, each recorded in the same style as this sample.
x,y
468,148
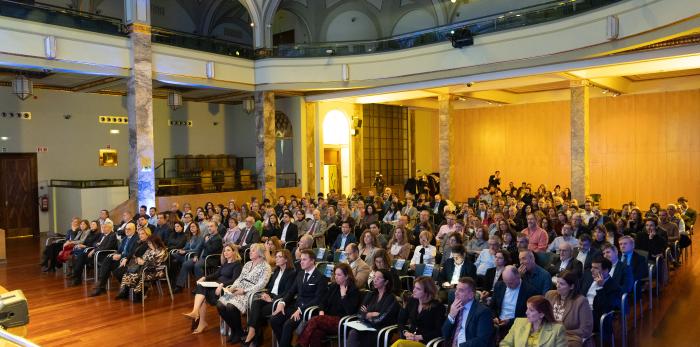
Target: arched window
x,y
336,130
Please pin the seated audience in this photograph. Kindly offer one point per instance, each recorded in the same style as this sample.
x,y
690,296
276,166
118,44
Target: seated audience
x,y
487,257
398,246
509,297
107,241
50,253
571,309
534,274
290,230
342,299
278,285
538,329
163,228
425,253
228,272
565,261
178,238
586,253
194,245
360,269
233,232
272,245
345,238
468,322
599,238
455,268
271,228
235,298
420,320
649,240
131,246
566,236
212,245
453,240
155,255
620,272
637,262
378,310
494,274
382,261
537,237
249,233
602,293
368,245
308,289
478,243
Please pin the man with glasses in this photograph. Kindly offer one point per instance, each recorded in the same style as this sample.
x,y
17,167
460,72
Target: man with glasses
x,y
486,259
360,269
565,261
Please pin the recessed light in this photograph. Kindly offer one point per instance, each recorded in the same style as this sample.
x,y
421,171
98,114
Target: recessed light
x,y
4,138
114,131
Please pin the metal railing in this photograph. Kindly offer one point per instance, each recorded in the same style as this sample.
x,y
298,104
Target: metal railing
x,y
88,183
536,14
50,14
201,43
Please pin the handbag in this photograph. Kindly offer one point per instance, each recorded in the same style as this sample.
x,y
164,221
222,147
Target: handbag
x,y
65,254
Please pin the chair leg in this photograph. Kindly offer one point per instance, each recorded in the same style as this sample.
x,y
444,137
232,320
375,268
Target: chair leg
x,y
170,289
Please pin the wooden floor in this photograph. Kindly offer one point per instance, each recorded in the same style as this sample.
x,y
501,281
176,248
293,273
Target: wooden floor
x,y
62,316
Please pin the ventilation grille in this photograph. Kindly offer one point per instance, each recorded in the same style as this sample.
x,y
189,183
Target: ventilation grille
x,y
180,123
113,119
157,10
16,115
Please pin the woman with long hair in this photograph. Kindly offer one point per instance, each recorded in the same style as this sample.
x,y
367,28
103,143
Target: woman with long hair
x,y
421,318
378,310
398,246
272,245
368,245
154,256
571,309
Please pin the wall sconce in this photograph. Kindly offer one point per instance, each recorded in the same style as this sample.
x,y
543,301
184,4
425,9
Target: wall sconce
x,y
22,87
174,100
249,105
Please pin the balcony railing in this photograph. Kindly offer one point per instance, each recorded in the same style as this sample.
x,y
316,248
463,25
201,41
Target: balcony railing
x,y
49,14
88,183
201,43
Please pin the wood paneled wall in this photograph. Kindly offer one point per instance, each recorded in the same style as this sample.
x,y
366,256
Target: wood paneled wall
x,y
529,142
644,148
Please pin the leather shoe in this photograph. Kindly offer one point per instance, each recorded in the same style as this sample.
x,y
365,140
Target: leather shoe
x,y
97,292
123,295
234,338
177,290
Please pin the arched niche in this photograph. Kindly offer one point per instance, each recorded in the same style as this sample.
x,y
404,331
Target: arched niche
x,y
284,143
336,152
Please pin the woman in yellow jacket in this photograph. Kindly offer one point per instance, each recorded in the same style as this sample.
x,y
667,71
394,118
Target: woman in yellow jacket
x,y
539,329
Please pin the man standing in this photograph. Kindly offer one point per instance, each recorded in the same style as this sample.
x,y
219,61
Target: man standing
x,y
495,180
468,323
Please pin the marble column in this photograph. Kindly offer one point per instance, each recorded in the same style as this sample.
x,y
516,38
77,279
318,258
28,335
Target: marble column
x,y
142,183
265,155
580,174
445,145
357,149
310,165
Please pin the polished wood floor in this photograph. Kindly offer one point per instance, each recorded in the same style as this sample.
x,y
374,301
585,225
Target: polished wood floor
x,y
63,316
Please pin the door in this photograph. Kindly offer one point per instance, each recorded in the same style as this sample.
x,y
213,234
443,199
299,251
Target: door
x,y
19,214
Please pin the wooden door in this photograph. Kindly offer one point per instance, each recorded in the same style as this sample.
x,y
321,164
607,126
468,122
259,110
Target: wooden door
x,y
19,213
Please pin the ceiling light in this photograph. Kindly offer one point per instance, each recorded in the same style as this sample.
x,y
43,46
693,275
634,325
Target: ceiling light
x,y
453,1
174,100
4,138
22,87
114,131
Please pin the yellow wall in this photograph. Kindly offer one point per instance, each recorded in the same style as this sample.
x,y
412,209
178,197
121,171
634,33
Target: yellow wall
x,y
644,148
426,141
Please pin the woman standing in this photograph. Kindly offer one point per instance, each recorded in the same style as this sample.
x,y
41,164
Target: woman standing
x,y
421,319
538,329
572,310
234,301
228,272
341,300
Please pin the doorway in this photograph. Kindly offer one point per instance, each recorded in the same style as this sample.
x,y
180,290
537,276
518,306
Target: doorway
x,y
336,151
331,170
19,214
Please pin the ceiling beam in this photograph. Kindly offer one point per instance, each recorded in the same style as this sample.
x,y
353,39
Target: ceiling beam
x,y
95,85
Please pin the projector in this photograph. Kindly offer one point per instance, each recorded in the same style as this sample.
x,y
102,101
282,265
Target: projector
x,y
13,309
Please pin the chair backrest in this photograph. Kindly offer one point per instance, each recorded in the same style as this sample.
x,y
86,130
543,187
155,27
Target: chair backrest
x,y
320,253
339,256
543,259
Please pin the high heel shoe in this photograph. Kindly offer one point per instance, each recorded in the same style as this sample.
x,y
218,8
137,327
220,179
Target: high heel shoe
x,y
199,331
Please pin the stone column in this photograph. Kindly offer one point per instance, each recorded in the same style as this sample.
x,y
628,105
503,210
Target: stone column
x,y
357,149
310,165
142,182
580,174
265,156
445,145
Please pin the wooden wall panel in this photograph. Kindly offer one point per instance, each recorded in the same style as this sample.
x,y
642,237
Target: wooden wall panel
x,y
643,148
525,142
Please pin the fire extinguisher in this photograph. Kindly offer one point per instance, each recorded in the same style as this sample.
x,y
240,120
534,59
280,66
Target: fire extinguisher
x,y
44,202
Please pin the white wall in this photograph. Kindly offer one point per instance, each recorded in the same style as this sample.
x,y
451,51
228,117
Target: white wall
x,y
83,203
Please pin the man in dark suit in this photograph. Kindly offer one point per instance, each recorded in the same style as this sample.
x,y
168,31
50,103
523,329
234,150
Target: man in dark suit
x,y
620,272
637,262
578,228
437,207
602,292
163,229
586,254
510,298
447,277
290,231
495,180
116,260
468,323
565,261
250,235
108,241
345,238
143,223
309,288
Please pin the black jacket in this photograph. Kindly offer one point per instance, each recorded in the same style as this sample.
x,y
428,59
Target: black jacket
x,y
606,299
292,233
478,327
212,246
177,240
573,265
447,270
226,274
307,294
639,266
499,292
387,307
427,323
623,277
488,279
335,305
286,281
107,242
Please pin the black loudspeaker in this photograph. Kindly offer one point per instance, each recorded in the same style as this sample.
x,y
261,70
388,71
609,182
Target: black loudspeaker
x,y
462,37
357,123
13,309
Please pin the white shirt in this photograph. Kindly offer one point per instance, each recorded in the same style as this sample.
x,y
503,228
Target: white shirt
x,y
485,261
510,300
592,291
564,264
581,256
456,273
275,287
428,258
284,232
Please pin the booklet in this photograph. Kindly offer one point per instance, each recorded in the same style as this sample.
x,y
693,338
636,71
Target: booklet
x,y
360,326
206,284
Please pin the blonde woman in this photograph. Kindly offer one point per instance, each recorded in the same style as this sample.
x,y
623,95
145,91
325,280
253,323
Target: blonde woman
x,y
234,301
